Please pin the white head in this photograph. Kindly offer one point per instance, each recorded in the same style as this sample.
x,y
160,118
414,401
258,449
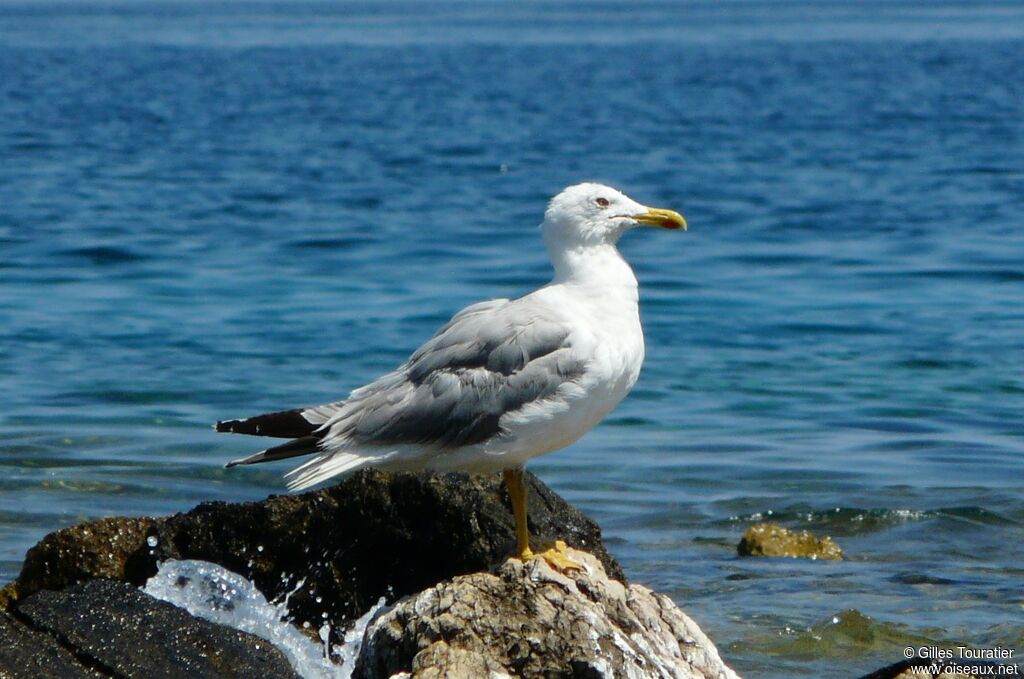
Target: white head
x,y
593,214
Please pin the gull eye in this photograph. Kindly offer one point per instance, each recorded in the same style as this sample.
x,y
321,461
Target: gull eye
x,y
603,202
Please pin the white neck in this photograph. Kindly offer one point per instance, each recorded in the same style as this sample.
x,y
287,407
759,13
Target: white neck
x,y
596,266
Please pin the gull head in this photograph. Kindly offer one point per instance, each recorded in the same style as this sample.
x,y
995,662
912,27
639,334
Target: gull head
x,y
594,214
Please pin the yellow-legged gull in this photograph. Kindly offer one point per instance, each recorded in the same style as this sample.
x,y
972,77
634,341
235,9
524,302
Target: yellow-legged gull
x,y
503,381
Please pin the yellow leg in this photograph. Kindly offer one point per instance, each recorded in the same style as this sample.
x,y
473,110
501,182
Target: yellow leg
x,y
517,494
558,556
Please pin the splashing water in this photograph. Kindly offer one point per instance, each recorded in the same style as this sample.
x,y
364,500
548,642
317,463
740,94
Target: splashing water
x,y
214,593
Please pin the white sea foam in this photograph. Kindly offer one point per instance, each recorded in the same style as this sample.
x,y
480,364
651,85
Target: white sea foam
x,y
213,593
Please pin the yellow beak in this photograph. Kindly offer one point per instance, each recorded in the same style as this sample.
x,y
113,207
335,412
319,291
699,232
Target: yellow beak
x,y
666,219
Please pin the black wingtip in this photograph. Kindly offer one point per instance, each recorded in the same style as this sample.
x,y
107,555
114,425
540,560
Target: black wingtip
x,y
286,424
300,446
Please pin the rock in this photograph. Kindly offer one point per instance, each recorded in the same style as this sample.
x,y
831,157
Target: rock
x,y
529,620
373,534
116,630
28,654
76,610
97,549
944,670
771,539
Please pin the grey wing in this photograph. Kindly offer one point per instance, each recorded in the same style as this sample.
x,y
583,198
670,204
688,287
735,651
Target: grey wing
x,y
339,410
490,359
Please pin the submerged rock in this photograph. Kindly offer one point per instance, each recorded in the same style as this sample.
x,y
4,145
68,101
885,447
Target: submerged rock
x,y
771,539
531,621
934,669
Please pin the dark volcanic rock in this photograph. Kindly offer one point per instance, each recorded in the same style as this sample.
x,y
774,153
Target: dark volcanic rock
x,y
97,549
29,654
372,535
116,630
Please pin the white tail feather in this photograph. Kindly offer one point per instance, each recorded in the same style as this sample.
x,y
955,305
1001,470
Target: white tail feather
x,y
328,465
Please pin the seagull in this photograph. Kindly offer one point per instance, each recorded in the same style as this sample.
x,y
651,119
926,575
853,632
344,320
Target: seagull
x,y
504,380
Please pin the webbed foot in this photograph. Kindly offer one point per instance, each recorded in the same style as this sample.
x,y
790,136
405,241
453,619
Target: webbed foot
x,y
557,557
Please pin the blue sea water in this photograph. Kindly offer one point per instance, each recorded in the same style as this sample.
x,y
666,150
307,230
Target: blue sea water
x,y
217,209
